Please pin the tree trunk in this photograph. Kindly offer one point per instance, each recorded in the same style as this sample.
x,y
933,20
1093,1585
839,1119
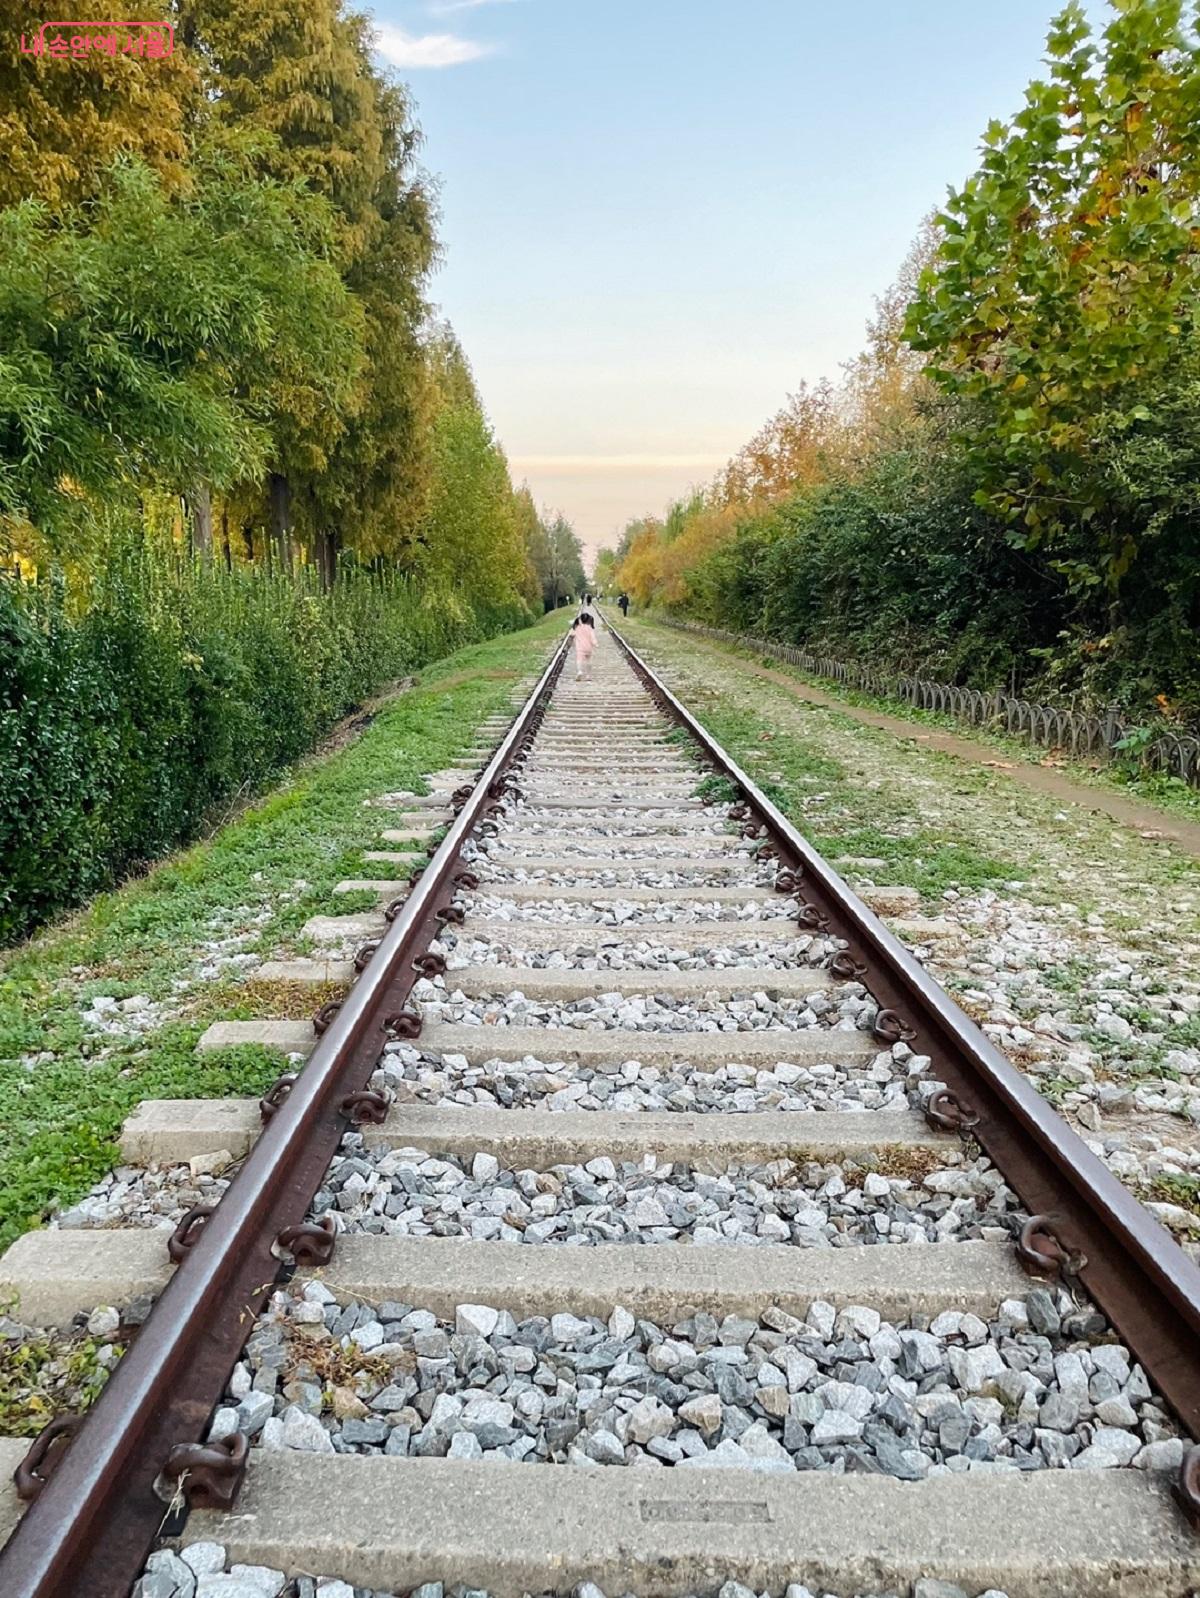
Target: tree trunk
x,y
225,538
199,504
328,546
248,540
281,520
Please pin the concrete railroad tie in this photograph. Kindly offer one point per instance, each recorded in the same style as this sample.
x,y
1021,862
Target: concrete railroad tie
x,y
813,1045
512,1529
173,1131
53,1275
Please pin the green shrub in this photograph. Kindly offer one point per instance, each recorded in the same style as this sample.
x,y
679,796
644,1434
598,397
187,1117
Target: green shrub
x,y
126,723
900,568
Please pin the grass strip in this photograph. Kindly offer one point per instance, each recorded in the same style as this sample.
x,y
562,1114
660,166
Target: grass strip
x,y
175,945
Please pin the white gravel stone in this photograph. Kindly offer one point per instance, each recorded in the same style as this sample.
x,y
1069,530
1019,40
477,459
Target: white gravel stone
x,y
478,1319
203,1558
104,1322
269,1582
227,1586
304,1432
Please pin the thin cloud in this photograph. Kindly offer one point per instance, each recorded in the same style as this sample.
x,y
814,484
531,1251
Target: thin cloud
x,y
442,8
426,50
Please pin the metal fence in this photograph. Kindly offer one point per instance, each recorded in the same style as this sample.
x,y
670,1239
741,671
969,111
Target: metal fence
x,y
1083,734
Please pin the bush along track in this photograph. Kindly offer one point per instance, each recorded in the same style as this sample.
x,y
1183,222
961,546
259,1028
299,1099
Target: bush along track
x,y
104,1010
178,692
1072,940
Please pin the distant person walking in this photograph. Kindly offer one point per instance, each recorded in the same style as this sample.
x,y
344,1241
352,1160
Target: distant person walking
x,y
623,602
583,629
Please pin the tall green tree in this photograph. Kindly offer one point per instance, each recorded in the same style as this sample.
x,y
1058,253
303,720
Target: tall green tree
x,y
375,487
604,571
469,542
566,574
301,72
536,546
555,555
1061,307
142,336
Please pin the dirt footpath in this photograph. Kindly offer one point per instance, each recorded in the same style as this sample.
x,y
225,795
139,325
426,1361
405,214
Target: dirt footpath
x,y
1146,819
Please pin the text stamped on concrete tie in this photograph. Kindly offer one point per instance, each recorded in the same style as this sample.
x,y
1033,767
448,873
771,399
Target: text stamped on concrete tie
x,y
709,1510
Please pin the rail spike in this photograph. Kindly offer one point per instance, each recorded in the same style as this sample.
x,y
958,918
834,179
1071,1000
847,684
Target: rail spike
x,y
405,1023
891,1028
365,955
43,1456
310,1243
1042,1252
947,1113
325,1016
366,1107
208,1475
276,1094
846,968
191,1224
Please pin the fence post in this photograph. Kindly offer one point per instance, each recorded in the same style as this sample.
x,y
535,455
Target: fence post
x,y
1183,749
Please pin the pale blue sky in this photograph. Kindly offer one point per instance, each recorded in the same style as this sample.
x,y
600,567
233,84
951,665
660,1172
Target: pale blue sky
x,y
661,215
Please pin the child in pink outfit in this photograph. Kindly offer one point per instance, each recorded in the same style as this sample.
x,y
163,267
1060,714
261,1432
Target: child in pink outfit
x,y
584,630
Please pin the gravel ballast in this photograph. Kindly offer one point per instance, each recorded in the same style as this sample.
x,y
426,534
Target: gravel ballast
x,y
204,1570
1039,1387
846,1004
408,1193
493,906
655,952
726,1089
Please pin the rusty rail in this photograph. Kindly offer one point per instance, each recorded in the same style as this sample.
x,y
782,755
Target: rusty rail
x,y
1085,1218
88,1530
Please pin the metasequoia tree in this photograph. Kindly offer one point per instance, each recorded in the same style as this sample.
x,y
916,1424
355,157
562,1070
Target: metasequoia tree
x,y
378,476
63,122
470,538
302,74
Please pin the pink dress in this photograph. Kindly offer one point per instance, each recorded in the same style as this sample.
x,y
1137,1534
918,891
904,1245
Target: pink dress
x,y
585,642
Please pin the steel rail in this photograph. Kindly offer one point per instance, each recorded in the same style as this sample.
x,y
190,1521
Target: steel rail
x,y
87,1533
1131,1266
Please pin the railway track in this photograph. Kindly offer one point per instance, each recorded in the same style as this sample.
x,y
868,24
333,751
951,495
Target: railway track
x,y
637,1141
